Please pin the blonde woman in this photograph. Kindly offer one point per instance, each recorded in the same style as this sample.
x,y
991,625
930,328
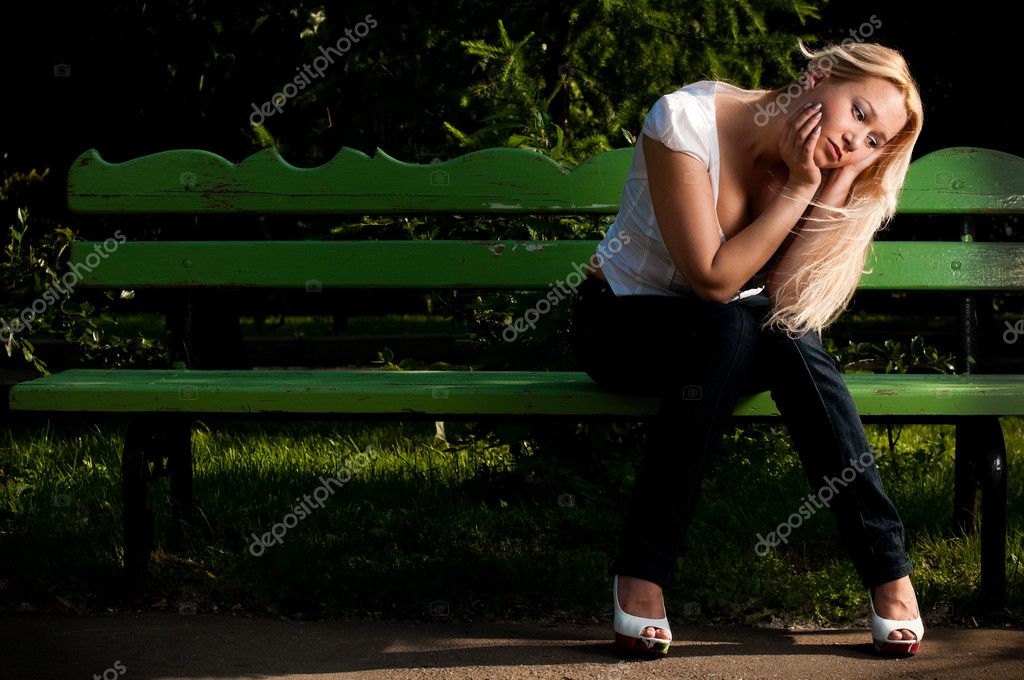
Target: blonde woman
x,y
743,230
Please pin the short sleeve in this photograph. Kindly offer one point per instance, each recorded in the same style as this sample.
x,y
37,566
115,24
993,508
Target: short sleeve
x,y
678,121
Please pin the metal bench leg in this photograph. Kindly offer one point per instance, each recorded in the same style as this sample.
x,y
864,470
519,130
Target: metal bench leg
x,y
965,480
178,449
138,519
981,460
990,464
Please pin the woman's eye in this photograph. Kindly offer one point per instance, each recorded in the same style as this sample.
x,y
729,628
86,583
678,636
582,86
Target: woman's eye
x,y
860,116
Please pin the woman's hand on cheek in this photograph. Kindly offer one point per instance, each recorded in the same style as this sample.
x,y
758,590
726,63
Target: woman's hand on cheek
x,y
854,169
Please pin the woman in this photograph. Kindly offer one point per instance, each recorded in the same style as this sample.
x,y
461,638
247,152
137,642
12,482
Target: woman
x,y
744,227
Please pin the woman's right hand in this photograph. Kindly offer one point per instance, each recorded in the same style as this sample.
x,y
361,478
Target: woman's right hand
x,y
798,144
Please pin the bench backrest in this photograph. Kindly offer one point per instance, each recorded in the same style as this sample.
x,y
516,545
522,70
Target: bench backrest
x,y
954,181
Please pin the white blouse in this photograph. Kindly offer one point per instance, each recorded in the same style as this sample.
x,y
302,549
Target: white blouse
x,y
639,264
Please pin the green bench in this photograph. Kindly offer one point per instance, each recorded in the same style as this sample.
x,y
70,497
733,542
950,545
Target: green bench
x,y
162,404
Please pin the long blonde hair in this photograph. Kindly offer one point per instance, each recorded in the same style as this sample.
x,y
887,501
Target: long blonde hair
x,y
823,285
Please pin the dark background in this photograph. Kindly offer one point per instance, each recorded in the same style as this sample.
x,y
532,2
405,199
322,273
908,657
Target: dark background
x,y
134,73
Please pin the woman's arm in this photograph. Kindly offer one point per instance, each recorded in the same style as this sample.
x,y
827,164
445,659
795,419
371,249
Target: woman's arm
x,y
684,209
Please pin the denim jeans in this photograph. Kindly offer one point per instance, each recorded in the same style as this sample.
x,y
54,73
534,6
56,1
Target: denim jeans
x,y
700,357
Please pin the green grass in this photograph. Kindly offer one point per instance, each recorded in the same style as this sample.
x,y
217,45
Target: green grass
x,y
471,530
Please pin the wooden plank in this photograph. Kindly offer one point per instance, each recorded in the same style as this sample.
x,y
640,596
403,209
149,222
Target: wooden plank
x,y
486,181
956,180
895,265
463,393
964,180
944,265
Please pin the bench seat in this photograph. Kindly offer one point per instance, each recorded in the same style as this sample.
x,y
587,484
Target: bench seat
x,y
467,393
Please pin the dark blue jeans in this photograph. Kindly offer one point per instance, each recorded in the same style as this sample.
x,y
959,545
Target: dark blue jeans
x,y
700,357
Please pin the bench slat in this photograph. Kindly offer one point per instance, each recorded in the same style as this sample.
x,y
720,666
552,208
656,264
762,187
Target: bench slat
x,y
895,265
964,180
360,392
956,180
490,180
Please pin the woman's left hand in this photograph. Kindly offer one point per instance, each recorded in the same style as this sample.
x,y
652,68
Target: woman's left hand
x,y
853,170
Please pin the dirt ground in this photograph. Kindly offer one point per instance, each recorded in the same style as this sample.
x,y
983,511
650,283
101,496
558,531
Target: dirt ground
x,y
37,646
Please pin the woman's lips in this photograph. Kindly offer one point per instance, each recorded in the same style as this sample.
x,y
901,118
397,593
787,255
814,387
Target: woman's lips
x,y
835,150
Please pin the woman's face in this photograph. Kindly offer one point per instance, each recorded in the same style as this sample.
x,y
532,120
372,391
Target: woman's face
x,y
856,118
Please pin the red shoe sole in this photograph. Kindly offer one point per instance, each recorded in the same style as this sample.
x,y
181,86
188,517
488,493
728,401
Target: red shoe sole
x,y
890,649
638,646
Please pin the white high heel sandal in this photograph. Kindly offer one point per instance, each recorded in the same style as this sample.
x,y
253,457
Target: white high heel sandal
x,y
882,627
628,628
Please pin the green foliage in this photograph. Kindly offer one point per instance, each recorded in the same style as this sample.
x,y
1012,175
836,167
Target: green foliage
x,y
262,138
587,87
892,356
38,296
520,117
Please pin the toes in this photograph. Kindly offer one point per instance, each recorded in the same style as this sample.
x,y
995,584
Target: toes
x,y
651,631
902,634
